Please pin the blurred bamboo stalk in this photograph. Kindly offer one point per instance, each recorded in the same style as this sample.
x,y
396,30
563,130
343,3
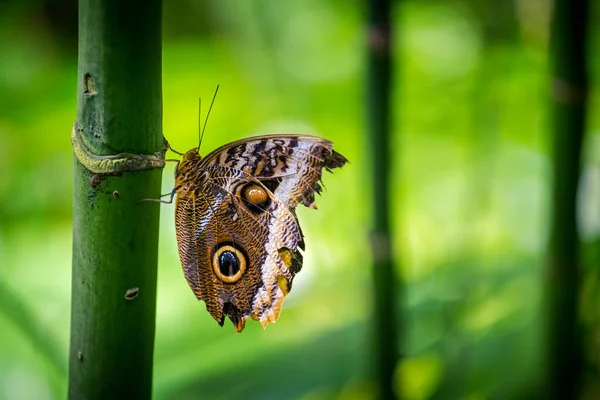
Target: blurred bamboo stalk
x,y
17,311
115,239
378,122
563,345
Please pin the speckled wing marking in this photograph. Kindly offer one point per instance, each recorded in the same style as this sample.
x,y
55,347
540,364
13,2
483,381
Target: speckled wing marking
x,y
291,164
238,235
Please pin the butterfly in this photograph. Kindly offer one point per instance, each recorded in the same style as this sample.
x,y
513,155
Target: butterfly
x,y
238,235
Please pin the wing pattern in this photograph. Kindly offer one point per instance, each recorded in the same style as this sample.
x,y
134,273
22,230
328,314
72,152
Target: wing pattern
x,y
238,235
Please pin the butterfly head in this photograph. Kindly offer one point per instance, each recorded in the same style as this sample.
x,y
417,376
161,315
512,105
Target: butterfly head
x,y
188,167
189,160
191,155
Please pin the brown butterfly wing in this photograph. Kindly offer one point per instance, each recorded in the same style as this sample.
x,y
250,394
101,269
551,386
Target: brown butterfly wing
x,y
289,165
237,232
221,220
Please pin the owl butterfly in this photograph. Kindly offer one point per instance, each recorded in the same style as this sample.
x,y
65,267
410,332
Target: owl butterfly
x,y
237,232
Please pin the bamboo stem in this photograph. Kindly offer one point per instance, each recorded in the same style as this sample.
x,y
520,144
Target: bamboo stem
x,y
115,239
569,105
378,120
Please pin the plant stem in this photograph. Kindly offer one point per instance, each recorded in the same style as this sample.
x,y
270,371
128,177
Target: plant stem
x,y
115,239
569,104
378,120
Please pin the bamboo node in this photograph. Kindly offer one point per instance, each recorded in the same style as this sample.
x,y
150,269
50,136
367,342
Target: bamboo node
x,y
380,245
379,39
567,93
122,162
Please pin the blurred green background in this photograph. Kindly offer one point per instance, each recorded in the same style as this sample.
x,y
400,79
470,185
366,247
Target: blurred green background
x,y
470,181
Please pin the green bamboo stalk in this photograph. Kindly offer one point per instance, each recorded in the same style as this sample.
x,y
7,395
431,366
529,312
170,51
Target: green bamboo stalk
x,y
378,121
115,239
569,105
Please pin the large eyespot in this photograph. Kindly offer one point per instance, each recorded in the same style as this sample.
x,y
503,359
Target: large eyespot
x,y
229,263
255,197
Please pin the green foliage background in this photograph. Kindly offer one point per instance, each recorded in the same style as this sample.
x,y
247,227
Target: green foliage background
x,y
470,180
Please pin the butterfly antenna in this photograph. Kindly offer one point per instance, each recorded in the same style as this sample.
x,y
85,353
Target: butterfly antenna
x,y
207,115
199,123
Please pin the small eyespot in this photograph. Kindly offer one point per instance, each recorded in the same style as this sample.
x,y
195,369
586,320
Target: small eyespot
x,y
256,198
284,284
255,194
229,263
286,256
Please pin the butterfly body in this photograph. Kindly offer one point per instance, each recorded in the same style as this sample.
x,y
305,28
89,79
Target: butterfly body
x,y
238,236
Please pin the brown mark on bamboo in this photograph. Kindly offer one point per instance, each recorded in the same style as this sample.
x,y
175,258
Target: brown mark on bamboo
x,y
567,93
89,86
132,293
96,180
379,39
116,194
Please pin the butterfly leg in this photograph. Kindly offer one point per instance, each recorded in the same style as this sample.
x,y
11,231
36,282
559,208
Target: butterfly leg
x,y
172,194
170,148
